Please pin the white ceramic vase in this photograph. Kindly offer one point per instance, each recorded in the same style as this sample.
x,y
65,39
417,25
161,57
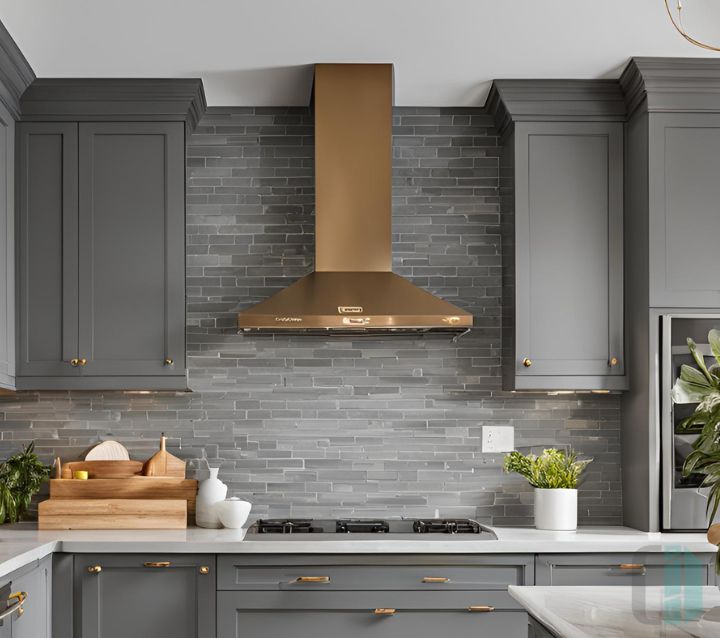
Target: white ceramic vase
x,y
556,509
211,492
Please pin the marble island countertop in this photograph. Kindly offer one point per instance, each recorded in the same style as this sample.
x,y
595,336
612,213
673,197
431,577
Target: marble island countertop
x,y
22,543
633,612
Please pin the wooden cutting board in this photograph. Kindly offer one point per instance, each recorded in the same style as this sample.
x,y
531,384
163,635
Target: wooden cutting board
x,y
163,463
136,487
103,469
108,451
59,513
713,534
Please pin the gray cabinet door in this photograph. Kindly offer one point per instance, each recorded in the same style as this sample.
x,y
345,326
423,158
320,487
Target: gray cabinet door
x,y
353,615
132,248
7,249
36,621
637,569
684,205
568,251
130,597
48,249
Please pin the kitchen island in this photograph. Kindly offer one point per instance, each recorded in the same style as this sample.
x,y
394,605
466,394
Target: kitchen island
x,y
595,612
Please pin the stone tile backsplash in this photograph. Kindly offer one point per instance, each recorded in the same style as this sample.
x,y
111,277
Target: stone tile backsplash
x,y
307,426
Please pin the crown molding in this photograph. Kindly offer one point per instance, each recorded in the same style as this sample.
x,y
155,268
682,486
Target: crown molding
x,y
67,99
512,101
15,73
672,85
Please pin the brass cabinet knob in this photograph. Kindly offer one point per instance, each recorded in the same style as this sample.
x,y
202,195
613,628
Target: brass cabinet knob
x,y
613,361
204,570
82,362
527,362
74,362
94,569
169,361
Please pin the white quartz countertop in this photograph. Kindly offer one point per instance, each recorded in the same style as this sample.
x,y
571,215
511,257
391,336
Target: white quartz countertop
x,y
607,612
20,544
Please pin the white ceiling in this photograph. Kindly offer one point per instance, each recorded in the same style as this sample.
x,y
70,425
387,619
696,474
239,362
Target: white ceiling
x,y
260,52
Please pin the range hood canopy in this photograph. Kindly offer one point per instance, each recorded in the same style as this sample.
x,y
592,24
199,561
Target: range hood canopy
x,y
353,287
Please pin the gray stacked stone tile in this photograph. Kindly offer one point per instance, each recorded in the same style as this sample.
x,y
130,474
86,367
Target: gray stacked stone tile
x,y
307,426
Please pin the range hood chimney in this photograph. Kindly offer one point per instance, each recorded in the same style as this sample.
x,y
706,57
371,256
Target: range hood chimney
x,y
353,287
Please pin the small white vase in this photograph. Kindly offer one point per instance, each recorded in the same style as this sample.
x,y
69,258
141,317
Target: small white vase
x,y
233,513
556,509
211,492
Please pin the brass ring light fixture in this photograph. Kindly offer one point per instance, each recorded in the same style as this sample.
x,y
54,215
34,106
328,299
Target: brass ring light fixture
x,y
677,23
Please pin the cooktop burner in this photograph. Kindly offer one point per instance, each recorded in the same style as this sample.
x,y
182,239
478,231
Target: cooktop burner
x,y
337,529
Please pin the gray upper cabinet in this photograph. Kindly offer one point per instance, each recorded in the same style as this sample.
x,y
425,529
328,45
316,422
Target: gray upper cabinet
x,y
562,208
7,249
123,595
684,204
15,76
102,234
131,248
47,249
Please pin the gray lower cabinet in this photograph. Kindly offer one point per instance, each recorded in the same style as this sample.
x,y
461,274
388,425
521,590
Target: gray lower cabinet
x,y
380,614
121,595
33,582
567,293
638,569
101,255
354,596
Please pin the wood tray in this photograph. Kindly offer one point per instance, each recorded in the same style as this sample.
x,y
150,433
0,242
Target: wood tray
x,y
103,469
116,513
136,487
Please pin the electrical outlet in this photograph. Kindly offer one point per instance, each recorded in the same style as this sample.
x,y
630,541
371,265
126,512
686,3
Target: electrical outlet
x,y
498,438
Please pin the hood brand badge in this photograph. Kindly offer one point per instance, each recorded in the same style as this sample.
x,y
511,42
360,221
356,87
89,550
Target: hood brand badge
x,y
350,310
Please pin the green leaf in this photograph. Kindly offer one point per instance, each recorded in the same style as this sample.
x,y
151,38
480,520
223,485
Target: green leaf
x,y
714,341
692,346
686,392
695,377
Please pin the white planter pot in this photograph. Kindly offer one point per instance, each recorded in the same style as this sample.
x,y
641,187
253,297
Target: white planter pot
x,y
556,509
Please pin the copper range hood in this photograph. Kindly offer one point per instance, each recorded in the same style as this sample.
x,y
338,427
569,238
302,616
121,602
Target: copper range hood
x,y
353,288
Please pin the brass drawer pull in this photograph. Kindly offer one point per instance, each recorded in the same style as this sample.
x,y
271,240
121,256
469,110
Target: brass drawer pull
x,y
631,566
384,611
481,608
312,579
94,569
435,579
162,563
19,597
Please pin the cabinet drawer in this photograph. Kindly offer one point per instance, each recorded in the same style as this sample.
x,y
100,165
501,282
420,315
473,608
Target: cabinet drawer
x,y
673,568
322,573
406,614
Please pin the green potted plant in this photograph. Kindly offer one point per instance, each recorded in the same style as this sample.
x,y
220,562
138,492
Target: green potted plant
x,y
555,475
701,385
20,479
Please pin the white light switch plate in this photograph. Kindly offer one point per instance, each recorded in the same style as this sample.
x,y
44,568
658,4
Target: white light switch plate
x,y
498,438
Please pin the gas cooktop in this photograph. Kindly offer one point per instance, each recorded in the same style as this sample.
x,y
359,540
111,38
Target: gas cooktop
x,y
363,529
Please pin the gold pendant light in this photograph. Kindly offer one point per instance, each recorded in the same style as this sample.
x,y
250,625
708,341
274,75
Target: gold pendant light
x,y
676,19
